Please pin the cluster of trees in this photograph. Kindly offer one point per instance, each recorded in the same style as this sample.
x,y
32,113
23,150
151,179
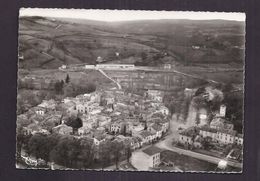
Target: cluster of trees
x,y
38,84
150,58
112,152
73,89
29,98
177,104
53,90
58,87
26,100
21,140
72,152
63,150
235,108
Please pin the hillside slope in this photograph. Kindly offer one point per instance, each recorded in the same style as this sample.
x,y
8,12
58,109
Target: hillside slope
x,y
49,43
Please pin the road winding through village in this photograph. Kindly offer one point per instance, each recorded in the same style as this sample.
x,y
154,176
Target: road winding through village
x,y
167,145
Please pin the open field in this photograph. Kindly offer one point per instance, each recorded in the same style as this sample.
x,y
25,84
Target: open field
x,y
76,77
187,163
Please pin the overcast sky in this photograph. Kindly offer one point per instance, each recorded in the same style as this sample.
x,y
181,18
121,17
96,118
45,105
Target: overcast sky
x,y
126,15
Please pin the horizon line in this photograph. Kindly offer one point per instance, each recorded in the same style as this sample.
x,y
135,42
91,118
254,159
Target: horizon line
x,y
130,15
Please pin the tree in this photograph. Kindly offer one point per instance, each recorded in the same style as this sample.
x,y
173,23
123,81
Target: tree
x,y
199,102
69,90
197,120
234,110
66,151
73,89
62,83
73,150
41,145
105,153
67,80
49,143
86,154
206,142
145,125
36,146
75,123
124,130
58,87
200,91
128,153
117,148
21,140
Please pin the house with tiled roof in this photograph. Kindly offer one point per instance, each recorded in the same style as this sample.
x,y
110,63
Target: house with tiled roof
x,y
156,129
221,123
223,136
226,136
136,128
89,121
116,127
83,131
62,129
32,128
39,110
70,107
165,123
187,136
81,108
164,110
136,143
155,95
146,136
206,131
48,104
239,139
146,159
99,138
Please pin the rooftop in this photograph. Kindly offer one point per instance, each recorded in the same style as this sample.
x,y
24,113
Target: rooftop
x,y
152,150
226,131
157,127
145,133
208,129
189,132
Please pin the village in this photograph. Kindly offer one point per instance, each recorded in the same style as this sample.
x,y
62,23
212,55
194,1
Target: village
x,y
141,124
107,115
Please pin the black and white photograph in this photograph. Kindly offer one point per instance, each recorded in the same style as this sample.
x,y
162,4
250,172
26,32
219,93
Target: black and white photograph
x,y
130,90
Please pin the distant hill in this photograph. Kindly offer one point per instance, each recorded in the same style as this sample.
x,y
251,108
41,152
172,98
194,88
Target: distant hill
x,y
51,42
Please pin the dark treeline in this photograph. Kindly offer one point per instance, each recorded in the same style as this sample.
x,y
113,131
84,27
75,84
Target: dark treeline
x,y
72,152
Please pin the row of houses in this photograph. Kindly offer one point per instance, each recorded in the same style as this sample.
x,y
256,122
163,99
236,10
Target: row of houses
x,y
221,135
224,134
